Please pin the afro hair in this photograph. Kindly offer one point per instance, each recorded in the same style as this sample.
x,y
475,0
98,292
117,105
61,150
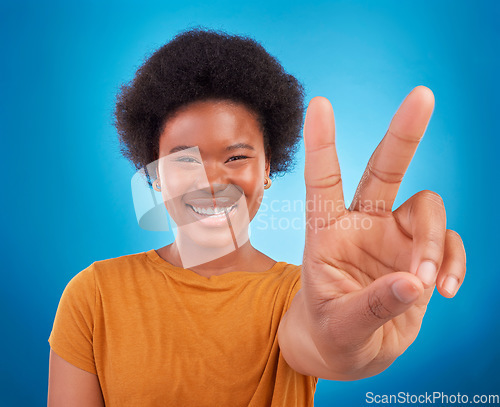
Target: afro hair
x,y
202,64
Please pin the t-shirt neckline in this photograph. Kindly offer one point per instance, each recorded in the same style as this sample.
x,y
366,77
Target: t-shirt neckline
x,y
153,256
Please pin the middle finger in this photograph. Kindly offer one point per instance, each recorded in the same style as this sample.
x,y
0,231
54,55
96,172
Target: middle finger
x,y
380,182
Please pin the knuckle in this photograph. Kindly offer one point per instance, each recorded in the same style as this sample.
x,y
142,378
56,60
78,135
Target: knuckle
x,y
384,176
376,308
325,181
431,196
451,234
405,138
434,242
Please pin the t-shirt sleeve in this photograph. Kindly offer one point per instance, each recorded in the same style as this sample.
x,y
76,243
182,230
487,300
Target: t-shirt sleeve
x,y
294,286
72,333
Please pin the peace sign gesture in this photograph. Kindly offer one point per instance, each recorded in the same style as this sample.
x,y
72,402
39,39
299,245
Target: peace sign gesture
x,y
368,272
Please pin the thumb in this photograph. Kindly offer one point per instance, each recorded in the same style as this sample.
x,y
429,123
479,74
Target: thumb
x,y
381,301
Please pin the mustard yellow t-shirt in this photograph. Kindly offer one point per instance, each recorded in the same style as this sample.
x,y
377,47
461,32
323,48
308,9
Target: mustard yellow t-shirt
x,y
160,335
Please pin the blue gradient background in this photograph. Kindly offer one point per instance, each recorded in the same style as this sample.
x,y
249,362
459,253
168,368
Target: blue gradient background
x,y
66,199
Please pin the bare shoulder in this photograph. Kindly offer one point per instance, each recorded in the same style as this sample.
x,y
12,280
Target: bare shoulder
x,y
72,386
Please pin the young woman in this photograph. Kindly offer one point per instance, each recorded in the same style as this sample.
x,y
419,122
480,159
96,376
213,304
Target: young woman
x,y
211,321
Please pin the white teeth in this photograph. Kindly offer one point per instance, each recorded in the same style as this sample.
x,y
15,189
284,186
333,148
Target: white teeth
x,y
211,211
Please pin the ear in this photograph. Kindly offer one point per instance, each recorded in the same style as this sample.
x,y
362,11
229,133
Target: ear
x,y
156,169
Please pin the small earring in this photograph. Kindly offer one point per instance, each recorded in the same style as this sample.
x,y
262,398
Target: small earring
x,y
267,182
156,185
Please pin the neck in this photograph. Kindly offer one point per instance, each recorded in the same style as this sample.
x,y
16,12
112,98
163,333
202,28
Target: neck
x,y
204,262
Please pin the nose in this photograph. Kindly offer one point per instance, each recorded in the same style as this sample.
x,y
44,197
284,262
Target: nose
x,y
217,176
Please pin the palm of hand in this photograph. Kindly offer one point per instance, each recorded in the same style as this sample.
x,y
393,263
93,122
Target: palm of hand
x,y
358,257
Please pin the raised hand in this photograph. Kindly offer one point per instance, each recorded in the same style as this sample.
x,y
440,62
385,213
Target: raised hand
x,y
368,271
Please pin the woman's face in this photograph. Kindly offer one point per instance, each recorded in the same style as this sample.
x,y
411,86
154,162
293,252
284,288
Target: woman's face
x,y
212,169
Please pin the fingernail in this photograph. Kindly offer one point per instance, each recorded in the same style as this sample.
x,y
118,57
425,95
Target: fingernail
x,y
404,291
450,285
427,272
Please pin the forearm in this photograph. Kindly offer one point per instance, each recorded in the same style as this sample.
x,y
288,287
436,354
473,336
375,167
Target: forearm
x,y
311,351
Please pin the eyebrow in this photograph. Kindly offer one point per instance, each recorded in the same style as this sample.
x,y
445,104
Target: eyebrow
x,y
228,148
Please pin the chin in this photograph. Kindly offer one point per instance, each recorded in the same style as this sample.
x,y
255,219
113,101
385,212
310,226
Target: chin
x,y
215,238
200,246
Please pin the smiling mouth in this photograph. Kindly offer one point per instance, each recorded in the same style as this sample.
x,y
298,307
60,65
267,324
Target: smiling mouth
x,y
211,211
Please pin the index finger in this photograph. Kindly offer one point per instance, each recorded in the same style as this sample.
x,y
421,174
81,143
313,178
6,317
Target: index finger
x,y
324,195
380,182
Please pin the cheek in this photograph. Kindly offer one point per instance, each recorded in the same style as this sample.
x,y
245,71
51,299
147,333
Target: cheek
x,y
172,193
175,187
252,182
178,181
250,177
